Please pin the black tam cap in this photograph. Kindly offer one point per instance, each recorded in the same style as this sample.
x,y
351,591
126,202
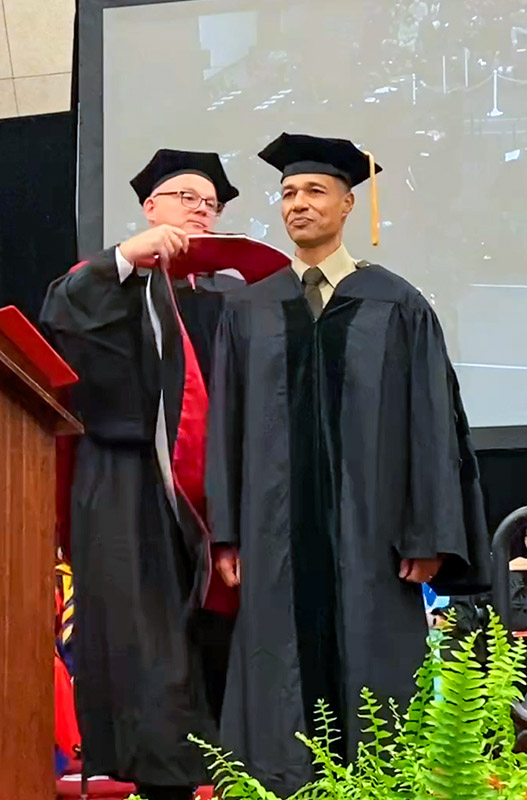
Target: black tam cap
x,y
169,163
299,154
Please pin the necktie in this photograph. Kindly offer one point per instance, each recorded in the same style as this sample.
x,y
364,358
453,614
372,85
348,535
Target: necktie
x,y
312,278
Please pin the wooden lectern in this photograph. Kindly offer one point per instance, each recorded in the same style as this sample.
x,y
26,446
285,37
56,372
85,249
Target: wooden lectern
x,y
32,376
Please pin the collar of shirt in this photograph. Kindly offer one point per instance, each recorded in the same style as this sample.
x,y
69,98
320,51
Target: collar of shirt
x,y
125,269
334,268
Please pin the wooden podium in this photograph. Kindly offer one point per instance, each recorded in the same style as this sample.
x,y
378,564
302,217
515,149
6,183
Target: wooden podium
x,y
31,378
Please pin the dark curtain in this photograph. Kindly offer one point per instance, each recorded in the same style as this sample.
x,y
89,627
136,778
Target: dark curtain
x,y
504,482
37,206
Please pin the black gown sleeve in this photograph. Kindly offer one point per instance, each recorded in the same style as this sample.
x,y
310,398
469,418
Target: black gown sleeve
x,y
225,435
95,322
83,303
445,504
477,577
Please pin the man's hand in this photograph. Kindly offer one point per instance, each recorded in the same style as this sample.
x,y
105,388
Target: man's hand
x,y
227,562
420,570
165,241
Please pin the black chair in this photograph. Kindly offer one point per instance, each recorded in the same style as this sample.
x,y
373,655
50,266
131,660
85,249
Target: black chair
x,y
512,525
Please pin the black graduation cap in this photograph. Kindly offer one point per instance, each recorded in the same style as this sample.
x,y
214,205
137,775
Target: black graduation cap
x,y
169,163
300,154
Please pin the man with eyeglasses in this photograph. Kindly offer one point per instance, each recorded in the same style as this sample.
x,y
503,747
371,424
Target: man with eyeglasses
x,y
177,205
149,668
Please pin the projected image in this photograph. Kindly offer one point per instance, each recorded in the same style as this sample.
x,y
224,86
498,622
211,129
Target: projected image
x,y
437,90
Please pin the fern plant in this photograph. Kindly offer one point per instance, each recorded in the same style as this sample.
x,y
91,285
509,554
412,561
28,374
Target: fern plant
x,y
455,741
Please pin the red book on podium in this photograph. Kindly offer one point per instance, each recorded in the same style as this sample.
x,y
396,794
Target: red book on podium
x,y
35,349
215,252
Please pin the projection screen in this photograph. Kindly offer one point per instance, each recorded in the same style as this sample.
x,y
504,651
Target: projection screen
x,y
437,90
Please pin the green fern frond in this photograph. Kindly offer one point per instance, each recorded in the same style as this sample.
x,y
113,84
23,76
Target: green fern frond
x,y
374,772
505,675
426,679
311,791
381,739
455,741
229,777
327,732
454,757
323,760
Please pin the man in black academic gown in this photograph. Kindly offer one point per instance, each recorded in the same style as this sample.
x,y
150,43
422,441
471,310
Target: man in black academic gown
x,y
137,507
340,471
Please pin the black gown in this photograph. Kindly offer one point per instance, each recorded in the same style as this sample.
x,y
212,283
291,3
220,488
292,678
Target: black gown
x,y
137,569
343,448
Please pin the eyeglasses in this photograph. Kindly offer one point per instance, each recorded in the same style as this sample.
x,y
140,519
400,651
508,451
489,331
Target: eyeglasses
x,y
194,200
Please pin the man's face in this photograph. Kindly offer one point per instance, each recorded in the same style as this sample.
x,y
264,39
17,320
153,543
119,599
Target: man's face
x,y
183,201
314,208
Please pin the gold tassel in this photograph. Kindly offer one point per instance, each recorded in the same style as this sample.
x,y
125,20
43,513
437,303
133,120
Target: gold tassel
x,y
374,200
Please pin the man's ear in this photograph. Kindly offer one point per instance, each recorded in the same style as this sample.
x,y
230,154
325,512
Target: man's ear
x,y
148,208
349,202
